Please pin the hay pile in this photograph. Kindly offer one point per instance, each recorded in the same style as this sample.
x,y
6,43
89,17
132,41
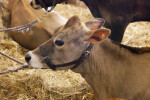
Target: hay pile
x,y
137,34
41,84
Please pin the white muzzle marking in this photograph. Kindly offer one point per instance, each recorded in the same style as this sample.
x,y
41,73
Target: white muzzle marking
x,y
35,62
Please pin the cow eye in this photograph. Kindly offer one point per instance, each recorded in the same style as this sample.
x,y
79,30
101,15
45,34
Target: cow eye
x,y
59,42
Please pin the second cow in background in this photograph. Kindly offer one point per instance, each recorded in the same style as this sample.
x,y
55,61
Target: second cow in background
x,y
22,13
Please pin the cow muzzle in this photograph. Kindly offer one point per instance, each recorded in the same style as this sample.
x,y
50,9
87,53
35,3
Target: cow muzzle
x,y
33,60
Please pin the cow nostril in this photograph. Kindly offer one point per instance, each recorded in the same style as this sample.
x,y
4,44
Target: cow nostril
x,y
27,58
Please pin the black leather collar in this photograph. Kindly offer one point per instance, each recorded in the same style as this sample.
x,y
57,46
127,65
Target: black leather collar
x,y
76,63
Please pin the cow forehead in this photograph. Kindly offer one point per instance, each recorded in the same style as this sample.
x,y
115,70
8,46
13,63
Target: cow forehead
x,y
71,33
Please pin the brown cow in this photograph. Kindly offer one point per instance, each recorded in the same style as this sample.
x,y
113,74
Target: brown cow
x,y
112,70
22,13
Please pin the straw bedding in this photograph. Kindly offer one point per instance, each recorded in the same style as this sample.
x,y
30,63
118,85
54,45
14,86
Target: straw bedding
x,y
31,84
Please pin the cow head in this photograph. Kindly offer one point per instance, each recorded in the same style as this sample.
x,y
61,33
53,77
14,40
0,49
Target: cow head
x,y
69,42
39,4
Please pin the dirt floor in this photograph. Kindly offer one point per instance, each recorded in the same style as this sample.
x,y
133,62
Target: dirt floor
x,y
31,84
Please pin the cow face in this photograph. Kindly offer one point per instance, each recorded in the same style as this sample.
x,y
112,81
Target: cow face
x,y
39,4
69,42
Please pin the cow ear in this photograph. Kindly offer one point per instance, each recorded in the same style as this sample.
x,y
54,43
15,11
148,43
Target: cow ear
x,y
74,20
98,35
95,23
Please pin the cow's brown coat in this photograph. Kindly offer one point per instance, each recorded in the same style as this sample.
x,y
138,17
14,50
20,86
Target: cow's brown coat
x,y
22,13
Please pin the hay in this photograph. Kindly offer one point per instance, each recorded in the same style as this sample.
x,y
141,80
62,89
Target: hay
x,y
137,34
41,84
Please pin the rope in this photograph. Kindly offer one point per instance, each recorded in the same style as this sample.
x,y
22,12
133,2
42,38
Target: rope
x,y
15,69
27,26
42,17
11,58
24,65
21,28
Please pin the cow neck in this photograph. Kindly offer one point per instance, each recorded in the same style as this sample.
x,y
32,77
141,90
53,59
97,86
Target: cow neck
x,y
76,63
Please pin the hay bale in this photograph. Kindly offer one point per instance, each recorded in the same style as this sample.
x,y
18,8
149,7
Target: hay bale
x,y
137,34
49,85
